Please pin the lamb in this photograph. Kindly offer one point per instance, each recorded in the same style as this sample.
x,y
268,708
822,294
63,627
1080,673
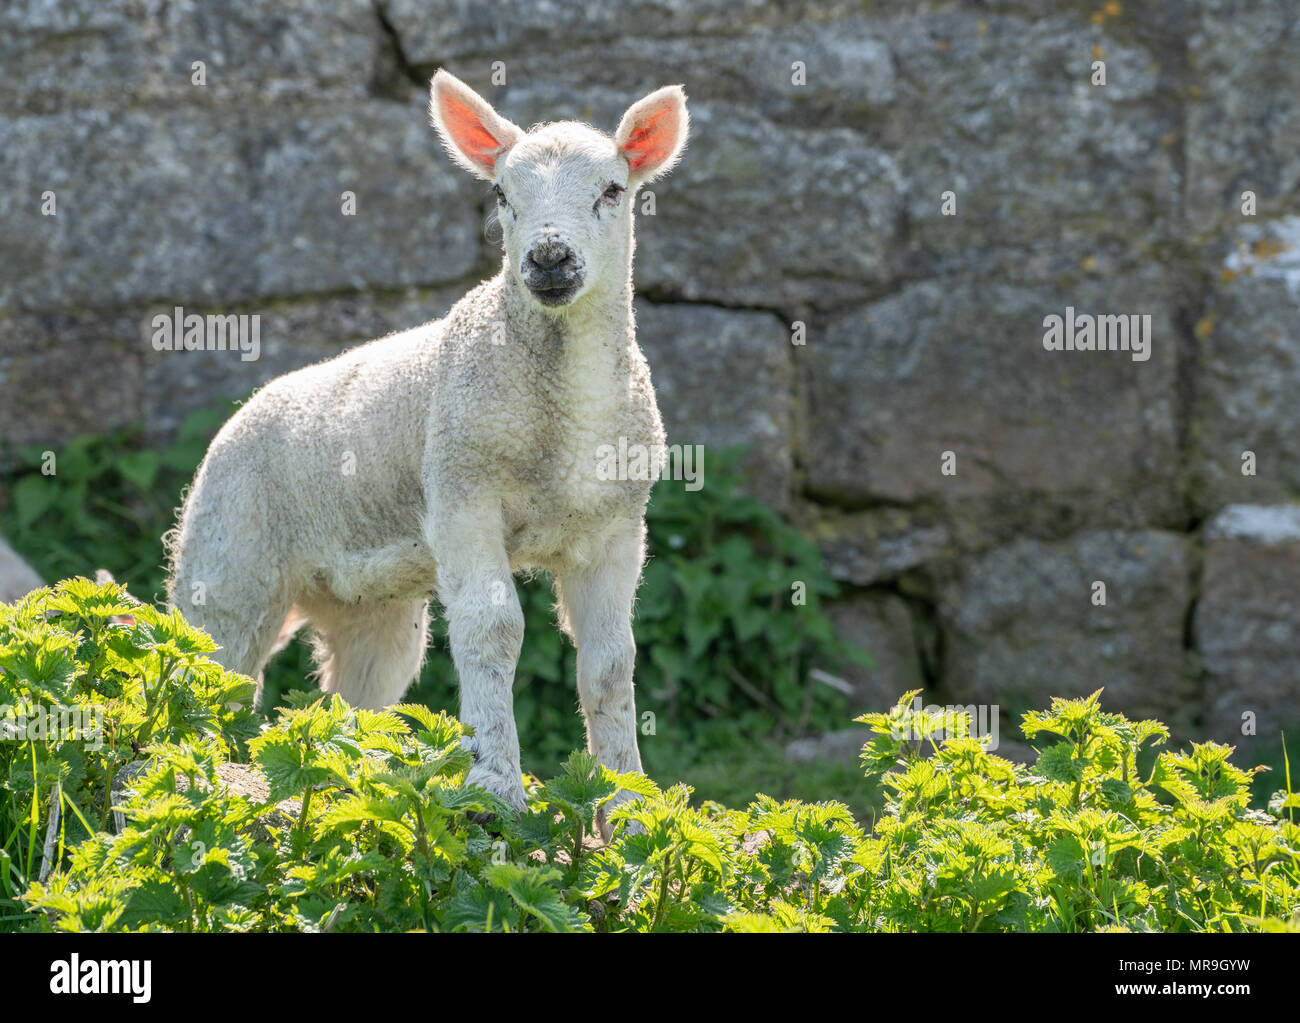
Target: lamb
x,y
444,459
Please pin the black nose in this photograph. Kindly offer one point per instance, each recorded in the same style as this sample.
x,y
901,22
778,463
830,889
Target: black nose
x,y
551,256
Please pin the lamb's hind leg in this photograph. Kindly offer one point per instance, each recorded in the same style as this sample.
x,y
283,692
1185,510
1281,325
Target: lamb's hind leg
x,y
369,653
244,608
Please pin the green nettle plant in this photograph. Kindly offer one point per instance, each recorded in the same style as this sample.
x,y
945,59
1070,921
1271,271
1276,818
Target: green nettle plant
x,y
82,694
362,821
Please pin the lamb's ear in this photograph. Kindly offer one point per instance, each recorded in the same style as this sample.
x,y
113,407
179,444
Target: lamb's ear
x,y
474,134
652,134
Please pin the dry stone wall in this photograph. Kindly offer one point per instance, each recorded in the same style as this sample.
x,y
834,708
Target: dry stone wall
x,y
818,201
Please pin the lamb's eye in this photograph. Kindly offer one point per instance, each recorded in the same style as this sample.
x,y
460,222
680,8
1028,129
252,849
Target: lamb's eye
x,y
501,196
611,194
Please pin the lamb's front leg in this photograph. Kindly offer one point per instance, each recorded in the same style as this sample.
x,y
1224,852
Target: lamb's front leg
x,y
486,628
596,599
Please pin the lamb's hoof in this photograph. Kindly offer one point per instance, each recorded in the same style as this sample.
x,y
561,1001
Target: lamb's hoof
x,y
487,821
500,784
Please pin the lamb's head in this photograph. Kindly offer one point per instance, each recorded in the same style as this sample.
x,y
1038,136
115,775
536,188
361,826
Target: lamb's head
x,y
564,191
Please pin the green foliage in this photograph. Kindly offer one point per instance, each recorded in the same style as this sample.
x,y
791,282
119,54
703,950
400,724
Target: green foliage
x,y
367,822
83,691
722,578
103,502
1080,840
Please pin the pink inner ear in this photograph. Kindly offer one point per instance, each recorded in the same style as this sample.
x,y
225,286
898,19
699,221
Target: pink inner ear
x,y
467,131
651,141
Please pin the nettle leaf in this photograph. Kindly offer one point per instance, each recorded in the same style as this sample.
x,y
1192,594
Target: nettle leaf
x,y
336,865
170,633
539,829
222,879
446,761
529,888
386,722
43,661
748,922
700,843
800,918
650,846
993,886
1281,802
582,785
33,495
461,800
1066,718
289,769
479,909
1060,763
355,810
1116,790
636,783
140,468
1067,858
82,598
155,900
605,871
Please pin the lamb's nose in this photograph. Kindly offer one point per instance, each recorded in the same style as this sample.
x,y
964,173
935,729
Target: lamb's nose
x,y
549,255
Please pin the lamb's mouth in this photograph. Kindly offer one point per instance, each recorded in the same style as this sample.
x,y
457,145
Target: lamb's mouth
x,y
556,294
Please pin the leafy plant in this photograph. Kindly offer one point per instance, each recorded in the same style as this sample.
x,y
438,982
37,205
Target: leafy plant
x,y
362,821
88,680
1080,840
103,501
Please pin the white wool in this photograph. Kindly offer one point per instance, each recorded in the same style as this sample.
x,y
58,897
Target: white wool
x,y
443,459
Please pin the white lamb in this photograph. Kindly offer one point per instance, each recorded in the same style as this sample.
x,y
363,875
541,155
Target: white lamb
x,y
443,459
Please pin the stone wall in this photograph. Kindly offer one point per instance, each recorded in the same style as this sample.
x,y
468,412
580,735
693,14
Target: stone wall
x,y
818,203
